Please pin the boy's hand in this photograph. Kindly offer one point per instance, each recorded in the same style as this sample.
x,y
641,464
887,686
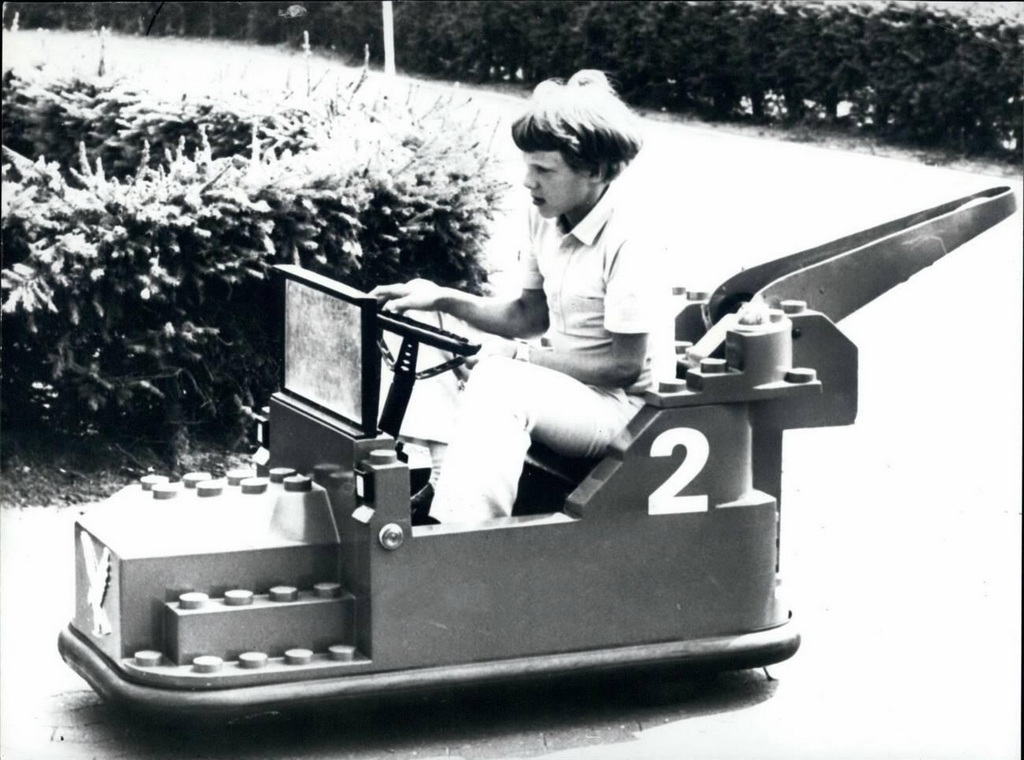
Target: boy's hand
x,y
420,295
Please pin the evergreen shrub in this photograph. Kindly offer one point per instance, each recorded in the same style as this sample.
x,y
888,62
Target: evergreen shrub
x,y
136,288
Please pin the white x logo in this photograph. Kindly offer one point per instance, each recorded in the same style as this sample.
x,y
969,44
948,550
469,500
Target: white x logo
x,y
98,570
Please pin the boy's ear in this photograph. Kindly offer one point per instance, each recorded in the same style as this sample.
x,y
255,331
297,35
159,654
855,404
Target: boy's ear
x,y
601,172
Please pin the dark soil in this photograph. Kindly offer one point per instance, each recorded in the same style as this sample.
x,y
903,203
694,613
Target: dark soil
x,y
38,470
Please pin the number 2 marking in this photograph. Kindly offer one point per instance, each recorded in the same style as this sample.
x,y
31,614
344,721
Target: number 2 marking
x,y
665,500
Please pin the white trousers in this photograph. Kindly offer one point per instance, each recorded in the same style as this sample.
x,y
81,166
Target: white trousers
x,y
507,403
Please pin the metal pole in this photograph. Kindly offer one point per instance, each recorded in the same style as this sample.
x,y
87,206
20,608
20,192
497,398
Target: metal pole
x,y
389,38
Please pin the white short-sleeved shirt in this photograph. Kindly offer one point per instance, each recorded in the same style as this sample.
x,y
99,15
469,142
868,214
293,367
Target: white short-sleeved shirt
x,y
599,278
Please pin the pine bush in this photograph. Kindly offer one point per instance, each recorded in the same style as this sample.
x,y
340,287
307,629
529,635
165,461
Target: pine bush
x,y
136,295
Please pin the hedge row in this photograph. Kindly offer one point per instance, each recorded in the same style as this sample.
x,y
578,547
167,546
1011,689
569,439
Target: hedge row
x,y
908,74
135,283
917,75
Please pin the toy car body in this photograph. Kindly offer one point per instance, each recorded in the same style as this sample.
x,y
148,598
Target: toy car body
x,y
308,581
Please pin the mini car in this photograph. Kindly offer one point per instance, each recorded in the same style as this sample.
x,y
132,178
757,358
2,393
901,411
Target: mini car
x,y
306,579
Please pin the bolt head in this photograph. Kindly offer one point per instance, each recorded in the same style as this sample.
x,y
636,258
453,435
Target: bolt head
x,y
391,536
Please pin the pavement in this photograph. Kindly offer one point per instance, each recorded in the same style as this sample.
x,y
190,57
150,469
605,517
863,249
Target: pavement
x,y
901,542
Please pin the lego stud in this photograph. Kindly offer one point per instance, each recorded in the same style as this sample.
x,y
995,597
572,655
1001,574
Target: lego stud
x,y
207,663
682,346
298,657
327,590
147,658
193,600
254,485
678,290
383,456
148,481
793,306
210,488
165,491
696,295
391,536
237,597
252,660
341,652
712,366
776,315
298,483
801,375
236,476
671,386
192,479
278,474
284,594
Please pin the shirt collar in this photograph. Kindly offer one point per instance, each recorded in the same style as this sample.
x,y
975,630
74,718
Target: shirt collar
x,y
590,226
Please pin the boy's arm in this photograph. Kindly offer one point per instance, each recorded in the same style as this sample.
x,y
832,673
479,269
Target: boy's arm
x,y
617,366
525,316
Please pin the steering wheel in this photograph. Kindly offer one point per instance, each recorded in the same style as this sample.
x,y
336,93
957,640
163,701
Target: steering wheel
x,y
413,333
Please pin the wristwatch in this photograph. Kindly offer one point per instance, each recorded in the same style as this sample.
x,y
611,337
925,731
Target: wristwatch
x,y
522,353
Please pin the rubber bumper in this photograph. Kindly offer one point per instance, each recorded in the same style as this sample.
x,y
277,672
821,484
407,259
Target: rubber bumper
x,y
747,650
